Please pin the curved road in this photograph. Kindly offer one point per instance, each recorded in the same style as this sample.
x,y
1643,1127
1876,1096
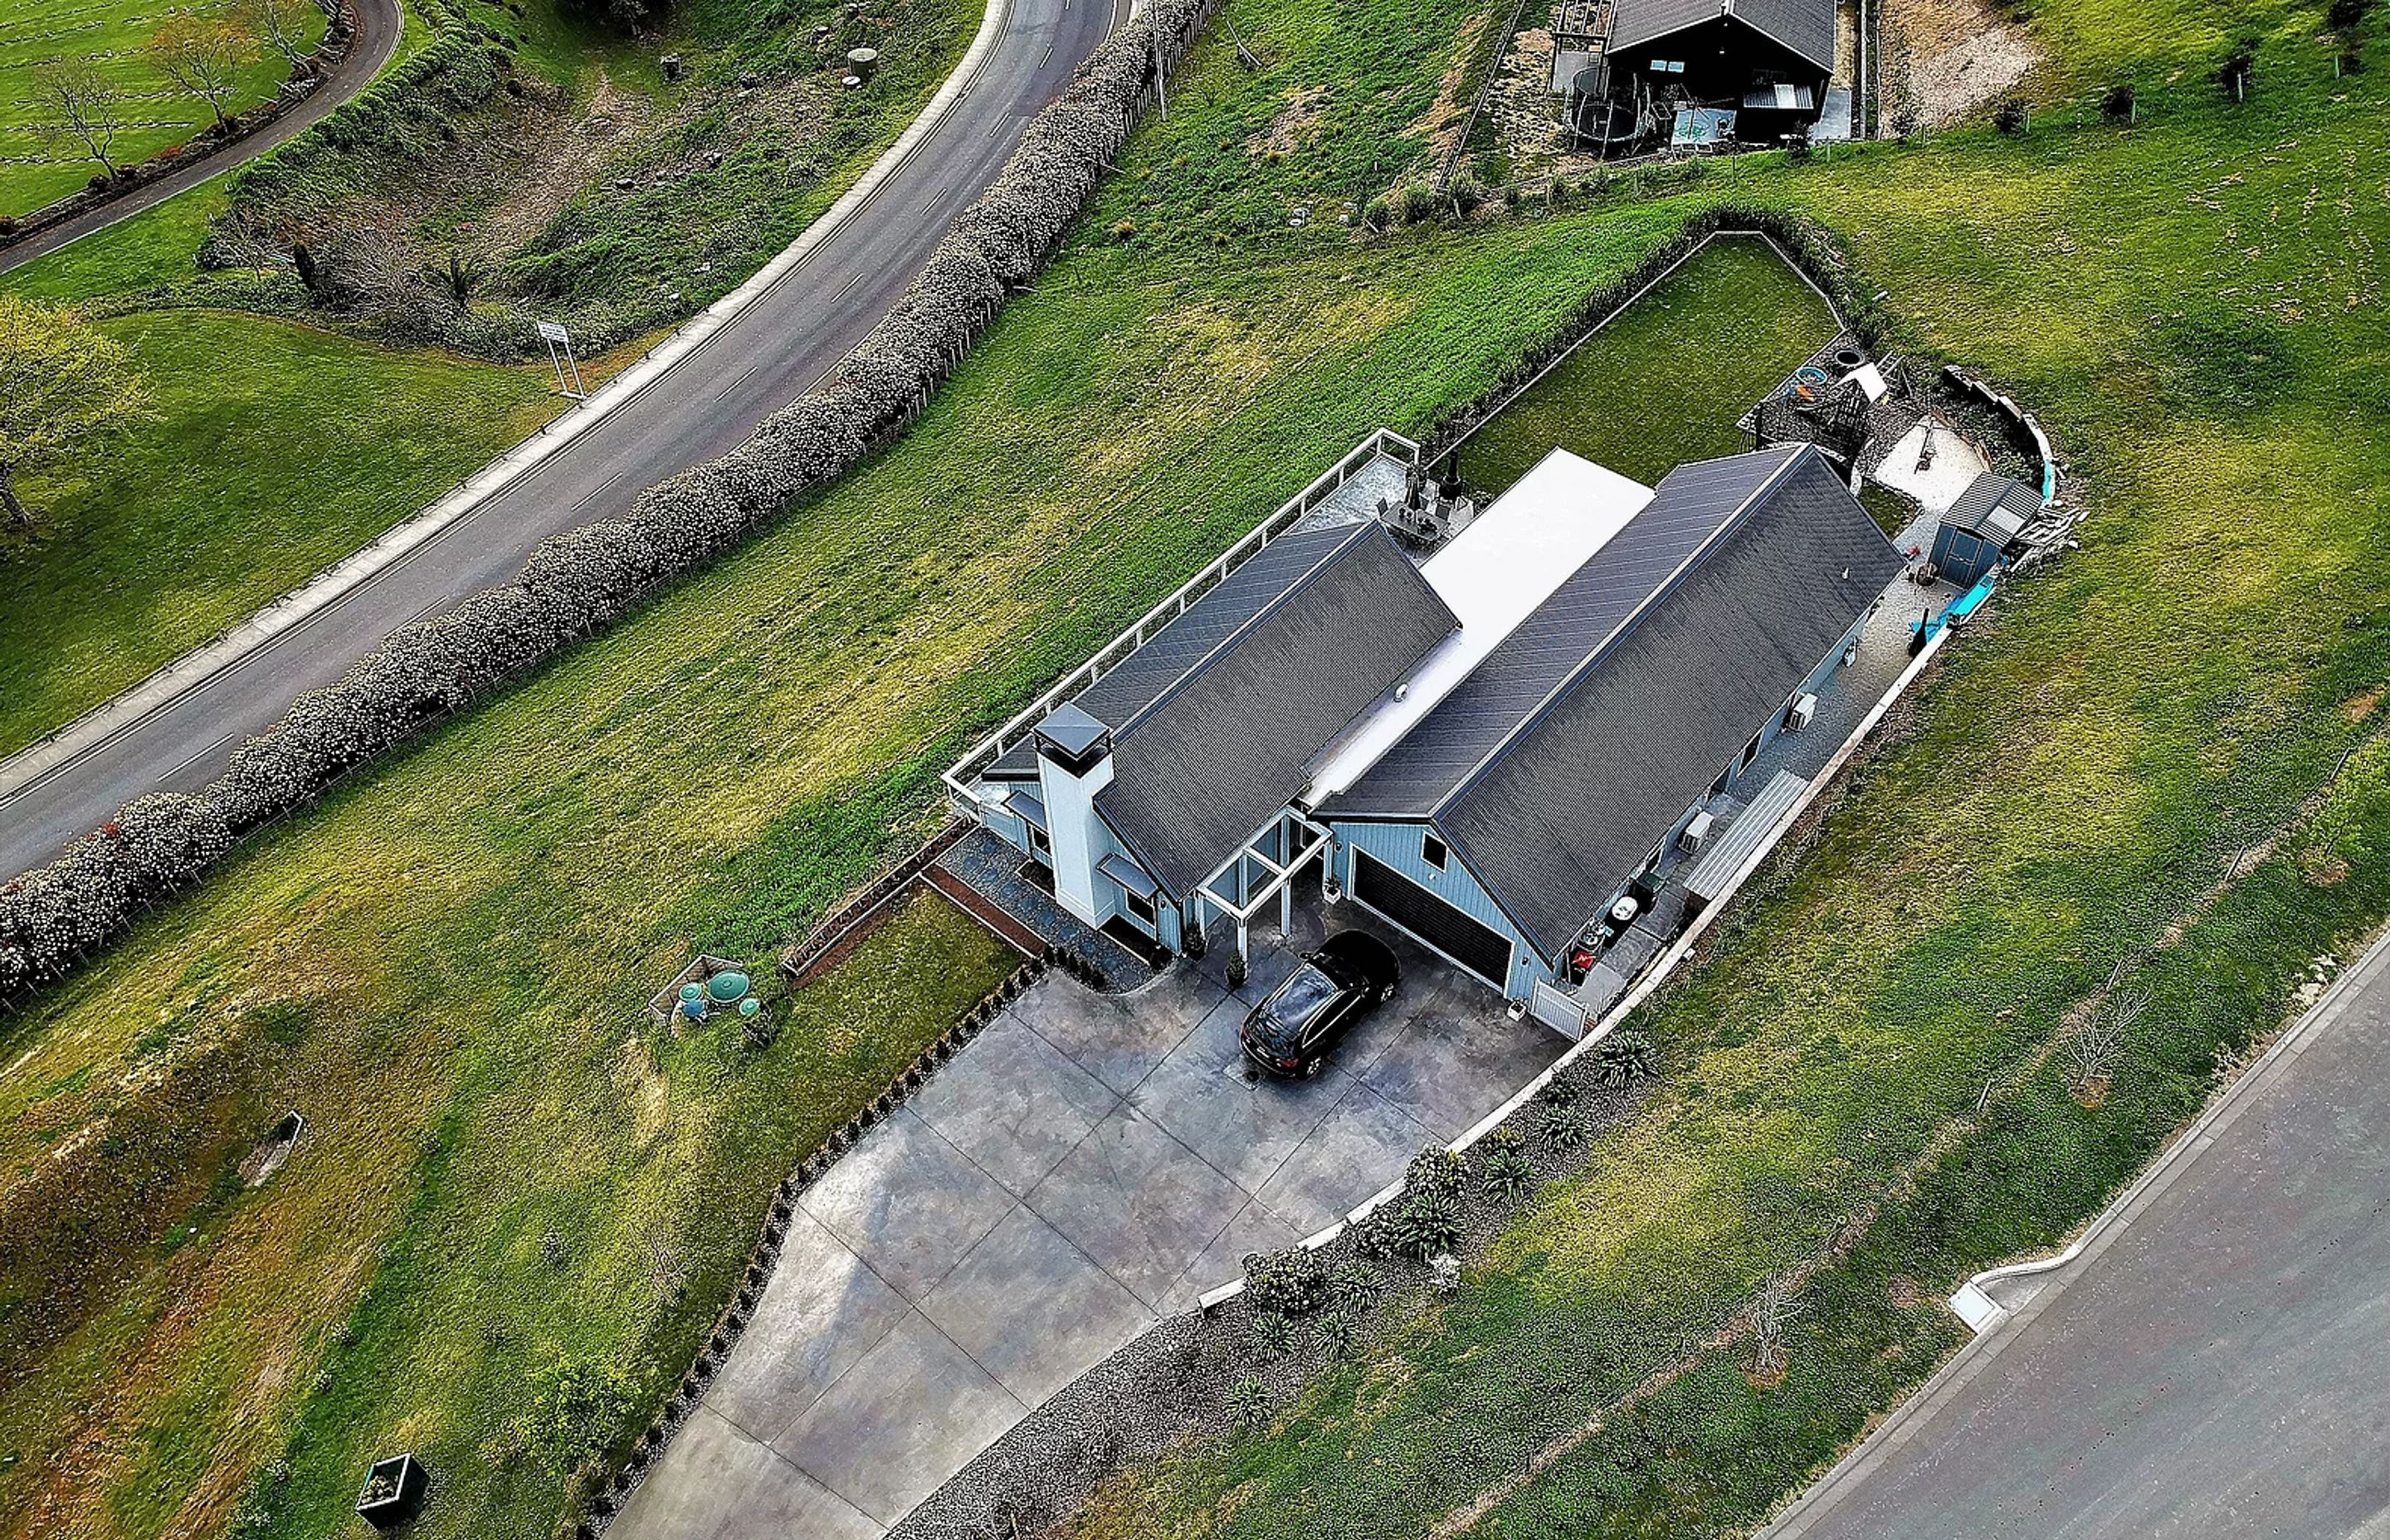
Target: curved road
x,y
704,406
379,28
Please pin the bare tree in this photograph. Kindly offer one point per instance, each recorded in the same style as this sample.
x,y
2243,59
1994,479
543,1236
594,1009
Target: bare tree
x,y
204,57
280,24
1772,1309
90,109
2091,1052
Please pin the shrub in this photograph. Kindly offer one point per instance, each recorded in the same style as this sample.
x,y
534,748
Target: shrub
x,y
1123,229
1353,1287
2346,16
1623,1058
1337,1333
2234,73
1564,1128
1293,1282
1271,1335
2011,115
1435,1172
1377,214
1427,1224
1249,1400
1374,1238
1417,202
1564,1089
578,1409
1507,1174
2116,103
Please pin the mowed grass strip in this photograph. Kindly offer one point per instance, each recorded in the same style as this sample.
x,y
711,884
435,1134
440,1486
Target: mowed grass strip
x,y
1664,382
276,450
110,34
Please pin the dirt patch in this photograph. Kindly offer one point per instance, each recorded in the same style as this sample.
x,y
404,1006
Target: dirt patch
x,y
1904,1293
1296,125
1439,127
551,159
1946,59
2357,707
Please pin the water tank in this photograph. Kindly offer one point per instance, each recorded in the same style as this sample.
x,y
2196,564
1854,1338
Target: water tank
x,y
726,985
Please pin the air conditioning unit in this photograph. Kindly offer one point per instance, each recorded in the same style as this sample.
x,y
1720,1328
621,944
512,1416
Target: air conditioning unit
x,y
1804,711
1696,835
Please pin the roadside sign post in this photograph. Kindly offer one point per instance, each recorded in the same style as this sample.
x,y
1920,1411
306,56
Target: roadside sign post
x,y
556,338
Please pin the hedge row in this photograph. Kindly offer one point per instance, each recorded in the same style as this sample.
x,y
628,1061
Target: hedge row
x,y
405,113
584,578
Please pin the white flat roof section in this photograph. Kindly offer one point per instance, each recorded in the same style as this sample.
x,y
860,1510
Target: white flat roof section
x,y
1493,575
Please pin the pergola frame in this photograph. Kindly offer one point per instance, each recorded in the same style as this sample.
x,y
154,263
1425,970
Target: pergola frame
x,y
1285,831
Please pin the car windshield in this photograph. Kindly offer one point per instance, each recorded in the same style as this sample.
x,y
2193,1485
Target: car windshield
x,y
1297,1003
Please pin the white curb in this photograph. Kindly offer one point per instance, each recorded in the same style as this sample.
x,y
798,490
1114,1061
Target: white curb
x,y
112,720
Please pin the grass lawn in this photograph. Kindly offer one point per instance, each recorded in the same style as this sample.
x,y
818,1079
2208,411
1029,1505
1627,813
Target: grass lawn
x,y
2192,307
158,113
1664,382
278,449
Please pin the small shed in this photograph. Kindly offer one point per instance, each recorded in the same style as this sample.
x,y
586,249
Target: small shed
x,y
1979,533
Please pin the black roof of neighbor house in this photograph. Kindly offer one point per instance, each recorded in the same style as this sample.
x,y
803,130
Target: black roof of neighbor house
x,y
1564,806
1687,510
1994,506
1807,27
1216,719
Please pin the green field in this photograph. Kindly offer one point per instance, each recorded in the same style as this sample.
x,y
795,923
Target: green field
x,y
283,449
156,113
1667,378
2192,306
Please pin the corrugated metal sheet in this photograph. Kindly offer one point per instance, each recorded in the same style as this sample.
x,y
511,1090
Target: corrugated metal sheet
x,y
1709,874
1807,27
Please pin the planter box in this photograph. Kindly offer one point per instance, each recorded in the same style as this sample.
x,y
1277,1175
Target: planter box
x,y
392,1492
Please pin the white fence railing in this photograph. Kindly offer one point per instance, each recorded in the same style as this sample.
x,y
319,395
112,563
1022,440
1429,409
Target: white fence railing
x,y
1384,441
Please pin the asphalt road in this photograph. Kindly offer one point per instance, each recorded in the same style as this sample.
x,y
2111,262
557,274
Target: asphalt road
x,y
2216,1365
378,30
703,406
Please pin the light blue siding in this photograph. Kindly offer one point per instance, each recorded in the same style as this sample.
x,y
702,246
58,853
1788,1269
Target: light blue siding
x,y
1400,846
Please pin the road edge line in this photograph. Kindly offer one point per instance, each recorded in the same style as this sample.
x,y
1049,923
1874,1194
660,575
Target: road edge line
x,y
1820,1496
37,761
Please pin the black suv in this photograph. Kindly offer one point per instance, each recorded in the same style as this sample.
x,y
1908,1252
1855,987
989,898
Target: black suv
x,y
1292,1030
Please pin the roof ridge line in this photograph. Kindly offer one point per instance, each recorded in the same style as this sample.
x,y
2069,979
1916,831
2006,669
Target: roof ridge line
x,y
1602,648
1302,581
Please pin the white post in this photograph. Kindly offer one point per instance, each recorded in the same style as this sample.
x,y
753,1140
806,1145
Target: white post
x,y
1242,952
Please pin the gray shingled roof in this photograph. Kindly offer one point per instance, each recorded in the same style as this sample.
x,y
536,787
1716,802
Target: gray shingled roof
x,y
1689,507
1571,805
1178,648
1805,26
1201,761
1994,506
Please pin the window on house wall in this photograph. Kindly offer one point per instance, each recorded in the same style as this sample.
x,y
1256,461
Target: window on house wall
x,y
1750,749
1718,787
1434,851
1039,844
1141,909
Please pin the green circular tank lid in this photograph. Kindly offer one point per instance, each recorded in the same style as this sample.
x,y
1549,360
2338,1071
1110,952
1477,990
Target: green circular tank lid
x,y
750,1006
726,985
691,990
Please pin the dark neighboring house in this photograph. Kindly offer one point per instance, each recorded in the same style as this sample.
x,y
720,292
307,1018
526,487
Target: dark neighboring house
x,y
1767,61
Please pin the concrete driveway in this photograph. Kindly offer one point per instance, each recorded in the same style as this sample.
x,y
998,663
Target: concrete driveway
x,y
1087,1165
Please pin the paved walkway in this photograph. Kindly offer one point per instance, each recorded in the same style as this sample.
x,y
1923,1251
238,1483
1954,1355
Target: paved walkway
x,y
2211,1366
1087,1165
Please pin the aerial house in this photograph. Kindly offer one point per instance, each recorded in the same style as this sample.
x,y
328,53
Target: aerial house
x,y
1492,748
1756,69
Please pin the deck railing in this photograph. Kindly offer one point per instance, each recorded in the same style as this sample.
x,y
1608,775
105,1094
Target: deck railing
x,y
997,744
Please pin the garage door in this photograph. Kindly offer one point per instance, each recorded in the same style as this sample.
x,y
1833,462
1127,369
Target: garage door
x,y
1477,948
